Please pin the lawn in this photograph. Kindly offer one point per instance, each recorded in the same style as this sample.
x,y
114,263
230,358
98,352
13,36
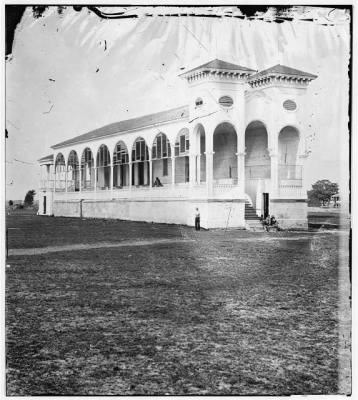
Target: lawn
x,y
216,312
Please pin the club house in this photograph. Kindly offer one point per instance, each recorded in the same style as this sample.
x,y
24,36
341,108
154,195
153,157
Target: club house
x,y
236,150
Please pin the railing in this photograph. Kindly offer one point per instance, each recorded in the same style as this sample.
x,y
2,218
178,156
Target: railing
x,y
290,172
46,184
257,171
291,191
178,191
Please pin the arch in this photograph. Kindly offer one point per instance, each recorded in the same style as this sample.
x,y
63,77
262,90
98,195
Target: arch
x,y
181,153
120,165
87,169
140,163
103,164
200,158
161,159
73,172
257,160
225,148
60,173
288,144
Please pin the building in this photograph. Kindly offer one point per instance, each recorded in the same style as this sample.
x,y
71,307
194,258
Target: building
x,y
238,148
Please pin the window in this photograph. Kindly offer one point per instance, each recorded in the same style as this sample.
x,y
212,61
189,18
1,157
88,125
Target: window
x,y
120,155
182,143
140,151
161,147
198,102
165,167
226,101
289,105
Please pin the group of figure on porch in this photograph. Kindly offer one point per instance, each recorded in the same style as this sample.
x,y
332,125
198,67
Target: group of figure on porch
x,y
269,223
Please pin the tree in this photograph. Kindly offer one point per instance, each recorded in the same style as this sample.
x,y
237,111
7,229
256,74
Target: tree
x,y
321,192
29,198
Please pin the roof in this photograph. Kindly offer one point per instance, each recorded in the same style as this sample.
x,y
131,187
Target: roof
x,y
46,160
220,64
283,70
128,125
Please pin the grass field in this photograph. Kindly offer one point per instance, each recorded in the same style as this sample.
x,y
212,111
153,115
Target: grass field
x,y
211,312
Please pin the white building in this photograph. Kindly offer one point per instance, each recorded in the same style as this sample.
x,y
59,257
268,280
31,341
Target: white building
x,y
236,150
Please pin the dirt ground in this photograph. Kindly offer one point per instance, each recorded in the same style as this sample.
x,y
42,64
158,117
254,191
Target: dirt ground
x,y
129,308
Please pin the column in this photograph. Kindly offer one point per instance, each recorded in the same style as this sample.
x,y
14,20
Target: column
x,y
198,169
150,172
209,172
130,175
111,179
241,171
192,169
66,172
274,173
95,178
80,180
173,170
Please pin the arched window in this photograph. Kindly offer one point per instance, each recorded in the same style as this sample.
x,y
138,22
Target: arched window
x,y
182,143
73,169
120,166
87,170
161,147
60,172
103,168
161,154
140,163
140,150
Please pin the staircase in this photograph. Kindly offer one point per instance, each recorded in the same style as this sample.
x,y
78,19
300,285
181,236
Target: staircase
x,y
252,220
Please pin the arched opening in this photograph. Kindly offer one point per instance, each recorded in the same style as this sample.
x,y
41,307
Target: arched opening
x,y
257,162
60,173
103,168
181,152
288,141
225,149
120,166
200,166
73,173
87,170
140,163
161,160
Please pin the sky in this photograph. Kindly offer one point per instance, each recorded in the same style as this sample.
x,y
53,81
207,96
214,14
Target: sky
x,y
74,72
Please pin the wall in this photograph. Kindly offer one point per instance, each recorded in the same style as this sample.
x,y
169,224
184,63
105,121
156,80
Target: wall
x,y
290,214
214,214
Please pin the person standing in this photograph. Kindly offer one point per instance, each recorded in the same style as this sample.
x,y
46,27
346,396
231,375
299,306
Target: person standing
x,y
197,219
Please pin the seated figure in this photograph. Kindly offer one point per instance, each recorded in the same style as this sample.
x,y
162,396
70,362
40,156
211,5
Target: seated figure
x,y
157,182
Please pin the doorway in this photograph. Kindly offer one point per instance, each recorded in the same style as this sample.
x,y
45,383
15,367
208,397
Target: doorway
x,y
44,205
266,204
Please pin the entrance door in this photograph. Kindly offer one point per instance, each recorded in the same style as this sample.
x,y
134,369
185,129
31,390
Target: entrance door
x,y
266,204
44,205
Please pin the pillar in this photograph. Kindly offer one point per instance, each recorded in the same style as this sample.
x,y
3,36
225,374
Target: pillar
x,y
130,175
192,169
80,180
95,178
241,171
111,178
274,173
173,170
209,172
198,169
150,172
